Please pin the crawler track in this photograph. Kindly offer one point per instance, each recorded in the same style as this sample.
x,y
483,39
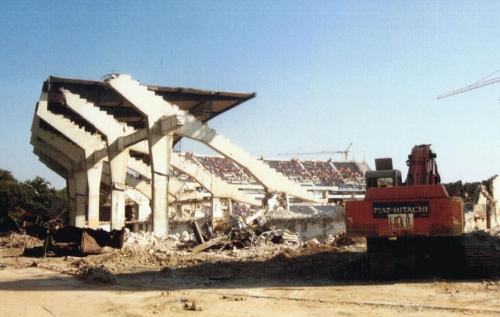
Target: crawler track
x,y
469,255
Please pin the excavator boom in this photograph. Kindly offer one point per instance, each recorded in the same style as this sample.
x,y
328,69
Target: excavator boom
x,y
422,167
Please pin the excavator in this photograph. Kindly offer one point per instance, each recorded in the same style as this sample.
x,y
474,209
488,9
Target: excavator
x,y
415,226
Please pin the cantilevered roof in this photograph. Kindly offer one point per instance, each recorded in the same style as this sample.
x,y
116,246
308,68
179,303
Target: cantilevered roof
x,y
203,104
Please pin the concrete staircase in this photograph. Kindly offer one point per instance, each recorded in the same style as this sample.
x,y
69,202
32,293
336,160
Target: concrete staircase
x,y
72,151
156,107
113,129
87,141
100,119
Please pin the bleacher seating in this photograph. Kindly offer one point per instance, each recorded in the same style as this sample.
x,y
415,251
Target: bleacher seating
x,y
322,173
319,173
349,171
293,169
223,168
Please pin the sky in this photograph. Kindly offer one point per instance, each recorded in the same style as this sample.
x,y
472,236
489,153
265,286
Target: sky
x,y
326,73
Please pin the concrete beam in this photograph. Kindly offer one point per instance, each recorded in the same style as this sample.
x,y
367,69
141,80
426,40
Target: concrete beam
x,y
95,151
155,107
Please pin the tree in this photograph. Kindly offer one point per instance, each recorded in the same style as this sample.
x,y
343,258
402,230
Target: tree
x,y
9,192
38,195
6,176
32,195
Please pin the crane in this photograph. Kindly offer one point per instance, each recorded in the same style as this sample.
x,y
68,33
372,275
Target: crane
x,y
485,81
344,152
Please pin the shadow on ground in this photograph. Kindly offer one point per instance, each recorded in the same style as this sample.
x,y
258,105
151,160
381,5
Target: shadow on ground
x,y
316,269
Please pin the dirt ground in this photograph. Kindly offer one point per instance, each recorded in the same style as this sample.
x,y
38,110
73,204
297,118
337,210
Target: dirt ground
x,y
277,280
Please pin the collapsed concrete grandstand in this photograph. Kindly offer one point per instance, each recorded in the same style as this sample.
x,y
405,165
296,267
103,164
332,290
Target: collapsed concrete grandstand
x,y
112,141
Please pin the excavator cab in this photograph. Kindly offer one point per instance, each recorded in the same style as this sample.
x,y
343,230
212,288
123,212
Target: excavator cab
x,y
384,175
422,170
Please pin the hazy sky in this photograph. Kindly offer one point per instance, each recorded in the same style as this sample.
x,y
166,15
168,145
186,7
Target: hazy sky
x,y
326,73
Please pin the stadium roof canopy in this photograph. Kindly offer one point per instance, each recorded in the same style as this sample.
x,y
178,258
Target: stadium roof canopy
x,y
203,104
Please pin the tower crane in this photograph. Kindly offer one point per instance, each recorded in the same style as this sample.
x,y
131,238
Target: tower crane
x,y
485,81
344,152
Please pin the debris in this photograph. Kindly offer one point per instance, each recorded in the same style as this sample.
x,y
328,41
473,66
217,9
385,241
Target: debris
x,y
198,234
233,298
18,240
208,244
340,239
257,217
185,236
289,236
97,274
236,223
190,305
68,240
82,241
312,242
278,236
240,233
144,238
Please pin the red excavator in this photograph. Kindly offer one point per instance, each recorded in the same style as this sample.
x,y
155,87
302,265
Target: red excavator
x,y
413,225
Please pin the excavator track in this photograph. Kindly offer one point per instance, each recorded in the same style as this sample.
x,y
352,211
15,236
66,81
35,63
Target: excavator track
x,y
481,255
470,255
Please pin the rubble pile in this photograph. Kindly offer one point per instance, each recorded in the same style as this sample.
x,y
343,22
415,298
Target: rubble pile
x,y
240,233
20,240
470,221
143,238
240,242
97,274
475,223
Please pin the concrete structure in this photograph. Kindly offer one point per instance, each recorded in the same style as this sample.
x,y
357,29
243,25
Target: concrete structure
x,y
486,203
94,133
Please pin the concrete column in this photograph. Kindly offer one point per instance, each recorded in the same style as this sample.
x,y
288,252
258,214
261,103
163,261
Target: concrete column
x,y
217,212
160,149
229,208
81,198
94,184
71,191
118,169
215,205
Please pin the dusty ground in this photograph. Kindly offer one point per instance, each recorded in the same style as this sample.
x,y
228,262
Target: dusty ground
x,y
277,280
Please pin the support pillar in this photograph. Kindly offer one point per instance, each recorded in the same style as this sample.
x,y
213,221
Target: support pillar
x,y
229,208
160,149
80,199
217,211
94,185
118,169
287,202
71,192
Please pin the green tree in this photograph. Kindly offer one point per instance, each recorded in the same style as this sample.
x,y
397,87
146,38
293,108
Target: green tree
x,y
9,192
32,195
36,195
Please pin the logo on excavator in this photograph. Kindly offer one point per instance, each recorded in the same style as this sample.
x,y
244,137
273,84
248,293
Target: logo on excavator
x,y
415,208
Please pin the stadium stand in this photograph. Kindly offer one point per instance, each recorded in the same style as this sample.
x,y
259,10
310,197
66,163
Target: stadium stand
x,y
311,172
293,169
349,171
222,167
322,173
